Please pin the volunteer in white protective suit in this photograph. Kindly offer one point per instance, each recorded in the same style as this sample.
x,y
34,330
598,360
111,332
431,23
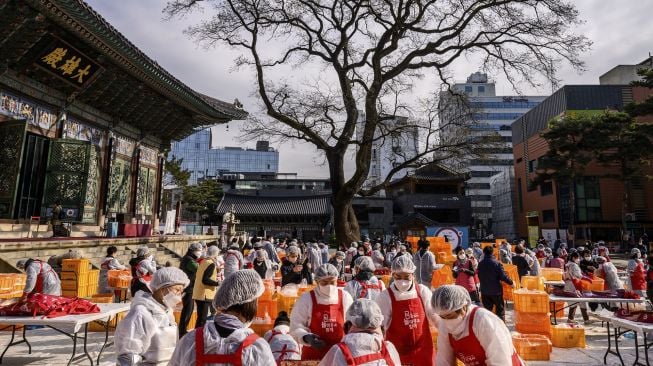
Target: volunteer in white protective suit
x,y
470,333
40,277
363,344
228,339
425,264
406,307
148,334
318,317
364,284
283,345
233,260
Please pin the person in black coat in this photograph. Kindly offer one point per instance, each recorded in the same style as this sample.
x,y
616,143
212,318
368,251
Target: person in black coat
x,y
491,274
520,261
293,269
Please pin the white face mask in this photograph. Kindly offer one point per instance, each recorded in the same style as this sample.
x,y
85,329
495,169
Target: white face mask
x,y
330,291
197,253
462,257
453,326
403,285
292,260
171,300
588,258
576,261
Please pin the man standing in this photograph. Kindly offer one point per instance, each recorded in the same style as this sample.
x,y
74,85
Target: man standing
x,y
491,274
189,265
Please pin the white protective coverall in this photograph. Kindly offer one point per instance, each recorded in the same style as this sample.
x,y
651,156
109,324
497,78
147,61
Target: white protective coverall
x,y
300,317
378,259
257,354
355,289
233,261
425,264
283,345
51,282
147,335
360,344
108,263
491,332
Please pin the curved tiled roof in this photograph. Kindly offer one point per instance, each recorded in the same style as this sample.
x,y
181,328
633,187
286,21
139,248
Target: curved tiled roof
x,y
314,205
78,17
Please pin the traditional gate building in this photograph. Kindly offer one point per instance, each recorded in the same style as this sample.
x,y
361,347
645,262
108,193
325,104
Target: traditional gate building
x,y
85,116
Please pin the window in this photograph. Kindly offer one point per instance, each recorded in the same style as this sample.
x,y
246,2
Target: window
x,y
532,166
520,195
531,186
588,200
468,88
548,216
546,188
483,174
519,160
478,185
481,198
481,88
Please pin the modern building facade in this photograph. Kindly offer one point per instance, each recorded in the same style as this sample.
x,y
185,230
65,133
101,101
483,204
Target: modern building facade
x,y
85,117
502,188
543,210
205,162
493,116
389,151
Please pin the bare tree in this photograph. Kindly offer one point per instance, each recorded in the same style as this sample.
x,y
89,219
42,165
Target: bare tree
x,y
367,55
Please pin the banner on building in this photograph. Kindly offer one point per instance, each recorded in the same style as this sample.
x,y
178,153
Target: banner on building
x,y
563,235
456,235
170,222
550,235
533,235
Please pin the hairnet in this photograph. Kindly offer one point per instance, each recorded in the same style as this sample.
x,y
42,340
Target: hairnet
x,y
326,271
476,244
364,314
203,243
194,247
365,263
377,246
261,254
21,263
448,298
403,264
548,251
601,260
293,250
238,288
258,245
142,252
234,246
635,251
212,251
340,254
403,247
354,245
168,276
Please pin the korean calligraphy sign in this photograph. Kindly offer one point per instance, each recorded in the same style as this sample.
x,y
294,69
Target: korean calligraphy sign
x,y
67,63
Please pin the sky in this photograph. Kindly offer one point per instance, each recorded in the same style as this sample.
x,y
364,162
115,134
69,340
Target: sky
x,y
620,31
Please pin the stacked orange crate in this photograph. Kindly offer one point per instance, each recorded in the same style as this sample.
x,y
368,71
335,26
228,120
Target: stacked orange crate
x,y
532,312
511,271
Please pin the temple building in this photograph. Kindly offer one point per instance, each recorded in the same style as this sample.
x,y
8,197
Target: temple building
x,y
85,117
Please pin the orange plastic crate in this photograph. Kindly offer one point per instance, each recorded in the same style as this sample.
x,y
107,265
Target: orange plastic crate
x,y
532,283
79,292
507,292
442,276
7,282
551,274
191,322
532,347
261,327
528,301
568,336
106,298
386,280
597,285
75,265
268,307
119,278
269,290
532,323
286,303
560,312
513,274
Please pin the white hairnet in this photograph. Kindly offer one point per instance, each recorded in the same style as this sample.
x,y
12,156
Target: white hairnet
x,y
448,298
168,276
365,314
21,263
212,251
142,251
326,270
234,246
601,260
195,247
340,254
365,263
261,254
292,250
403,264
239,288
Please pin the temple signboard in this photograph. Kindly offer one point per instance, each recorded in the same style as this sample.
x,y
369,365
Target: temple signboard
x,y
64,61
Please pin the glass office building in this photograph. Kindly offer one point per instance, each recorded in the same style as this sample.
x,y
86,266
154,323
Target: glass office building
x,y
202,161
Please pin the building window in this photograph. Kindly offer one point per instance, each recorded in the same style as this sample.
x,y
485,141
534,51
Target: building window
x,y
478,185
532,166
546,188
548,216
481,88
468,88
588,199
520,197
519,160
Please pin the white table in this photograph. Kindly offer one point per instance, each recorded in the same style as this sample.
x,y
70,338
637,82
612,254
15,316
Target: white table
x,y
637,328
68,325
573,301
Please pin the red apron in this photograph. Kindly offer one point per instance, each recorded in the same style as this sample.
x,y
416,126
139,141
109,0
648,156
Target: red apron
x,y
283,351
366,286
638,278
469,350
360,360
38,288
235,359
410,333
327,322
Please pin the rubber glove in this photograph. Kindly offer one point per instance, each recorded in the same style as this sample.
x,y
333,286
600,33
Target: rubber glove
x,y
314,341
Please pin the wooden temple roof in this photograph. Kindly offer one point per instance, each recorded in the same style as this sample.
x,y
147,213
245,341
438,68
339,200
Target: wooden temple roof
x,y
297,206
130,87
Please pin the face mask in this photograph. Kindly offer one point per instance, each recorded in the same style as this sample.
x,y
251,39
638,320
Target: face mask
x,y
171,300
462,257
393,250
338,261
292,260
330,291
576,261
197,253
454,326
403,285
360,252
588,258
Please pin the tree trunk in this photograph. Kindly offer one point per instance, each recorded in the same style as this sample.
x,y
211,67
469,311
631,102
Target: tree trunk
x,y
624,210
345,223
572,212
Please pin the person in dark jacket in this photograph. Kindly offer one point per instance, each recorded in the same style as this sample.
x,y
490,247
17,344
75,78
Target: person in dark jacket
x,y
491,274
292,268
189,265
520,261
587,263
338,261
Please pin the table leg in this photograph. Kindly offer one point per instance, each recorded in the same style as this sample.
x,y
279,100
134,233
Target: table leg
x,y
85,342
609,350
72,357
616,344
636,351
11,342
29,346
646,347
106,339
553,314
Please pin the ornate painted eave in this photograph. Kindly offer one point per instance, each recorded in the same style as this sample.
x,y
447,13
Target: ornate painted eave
x,y
80,19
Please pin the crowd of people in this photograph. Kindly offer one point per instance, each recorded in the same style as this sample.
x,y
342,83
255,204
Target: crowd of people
x,y
350,316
